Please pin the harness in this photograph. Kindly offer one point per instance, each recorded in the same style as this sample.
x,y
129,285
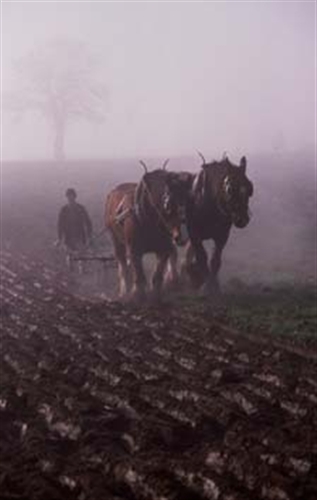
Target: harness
x,y
122,214
225,195
199,187
156,209
220,206
234,208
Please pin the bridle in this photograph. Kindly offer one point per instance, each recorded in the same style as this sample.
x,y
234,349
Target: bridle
x,y
232,211
156,208
221,207
229,206
222,204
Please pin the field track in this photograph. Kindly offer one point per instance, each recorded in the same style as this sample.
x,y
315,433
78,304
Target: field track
x,y
99,401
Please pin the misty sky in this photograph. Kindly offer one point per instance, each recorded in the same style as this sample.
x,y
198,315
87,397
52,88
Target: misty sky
x,y
230,76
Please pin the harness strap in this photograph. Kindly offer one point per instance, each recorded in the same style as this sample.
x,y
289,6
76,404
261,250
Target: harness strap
x,y
158,212
120,217
121,214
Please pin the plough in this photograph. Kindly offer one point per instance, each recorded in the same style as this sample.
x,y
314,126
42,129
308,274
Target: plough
x,y
108,261
86,254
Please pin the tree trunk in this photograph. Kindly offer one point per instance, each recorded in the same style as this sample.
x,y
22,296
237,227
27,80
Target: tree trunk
x,y
59,141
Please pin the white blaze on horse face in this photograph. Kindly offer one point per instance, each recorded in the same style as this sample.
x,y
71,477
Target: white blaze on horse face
x,y
227,185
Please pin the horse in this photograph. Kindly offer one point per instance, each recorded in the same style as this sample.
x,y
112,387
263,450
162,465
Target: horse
x,y
219,199
146,217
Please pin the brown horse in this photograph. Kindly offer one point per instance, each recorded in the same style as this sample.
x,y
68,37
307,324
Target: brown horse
x,y
219,198
148,217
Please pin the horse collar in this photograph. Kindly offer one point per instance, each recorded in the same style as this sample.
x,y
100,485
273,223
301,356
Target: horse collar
x,y
154,206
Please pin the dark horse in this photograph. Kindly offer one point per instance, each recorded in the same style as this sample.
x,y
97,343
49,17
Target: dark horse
x,y
148,217
219,199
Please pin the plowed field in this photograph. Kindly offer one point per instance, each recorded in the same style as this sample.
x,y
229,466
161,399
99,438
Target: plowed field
x,y
100,401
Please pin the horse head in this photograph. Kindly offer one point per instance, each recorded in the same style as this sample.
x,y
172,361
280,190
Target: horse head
x,y
160,201
236,192
226,185
175,199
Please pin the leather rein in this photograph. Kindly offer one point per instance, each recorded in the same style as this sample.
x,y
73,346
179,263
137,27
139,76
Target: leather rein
x,y
155,207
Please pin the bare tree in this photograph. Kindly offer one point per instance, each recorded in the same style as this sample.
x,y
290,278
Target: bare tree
x,y
59,81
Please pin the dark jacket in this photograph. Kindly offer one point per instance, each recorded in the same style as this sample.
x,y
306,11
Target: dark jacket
x,y
74,225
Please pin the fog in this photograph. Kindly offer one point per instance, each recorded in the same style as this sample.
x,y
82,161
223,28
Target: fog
x,y
218,76
277,247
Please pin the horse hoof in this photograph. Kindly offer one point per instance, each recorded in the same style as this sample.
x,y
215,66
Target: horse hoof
x,y
138,298
124,298
196,275
175,285
211,289
157,300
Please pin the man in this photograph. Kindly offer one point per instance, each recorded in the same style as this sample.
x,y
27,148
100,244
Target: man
x,y
74,226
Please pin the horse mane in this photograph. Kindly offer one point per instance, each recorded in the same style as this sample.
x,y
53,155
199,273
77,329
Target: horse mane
x,y
199,188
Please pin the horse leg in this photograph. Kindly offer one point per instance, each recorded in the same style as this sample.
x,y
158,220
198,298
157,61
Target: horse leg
x,y
123,275
189,255
172,276
139,279
196,263
212,284
158,275
188,259
123,270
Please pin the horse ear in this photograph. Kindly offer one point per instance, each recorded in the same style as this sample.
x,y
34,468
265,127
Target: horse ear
x,y
165,164
144,166
243,164
202,157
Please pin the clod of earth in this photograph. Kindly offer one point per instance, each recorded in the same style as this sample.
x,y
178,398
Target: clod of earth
x,y
99,400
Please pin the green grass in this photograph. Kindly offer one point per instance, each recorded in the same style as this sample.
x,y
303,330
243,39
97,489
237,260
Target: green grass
x,y
283,309
278,309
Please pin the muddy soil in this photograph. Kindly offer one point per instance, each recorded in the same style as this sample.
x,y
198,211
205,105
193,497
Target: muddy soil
x,y
101,401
